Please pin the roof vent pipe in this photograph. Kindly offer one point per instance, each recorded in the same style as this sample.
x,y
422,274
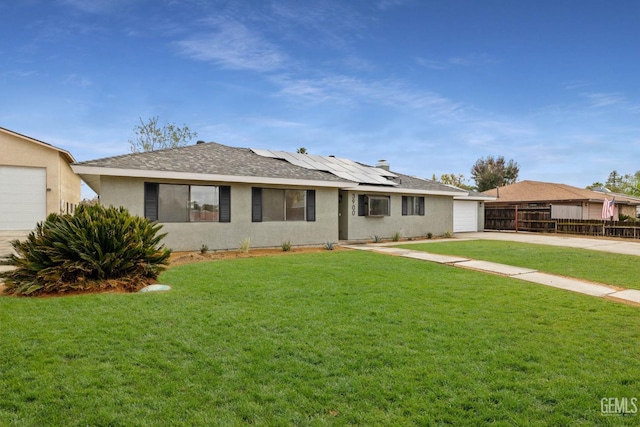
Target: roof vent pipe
x,y
199,142
383,164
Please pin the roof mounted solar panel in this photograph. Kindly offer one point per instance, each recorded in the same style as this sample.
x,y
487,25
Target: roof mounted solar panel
x,y
343,168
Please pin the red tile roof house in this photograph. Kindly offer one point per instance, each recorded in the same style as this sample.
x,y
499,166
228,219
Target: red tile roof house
x,y
564,201
215,195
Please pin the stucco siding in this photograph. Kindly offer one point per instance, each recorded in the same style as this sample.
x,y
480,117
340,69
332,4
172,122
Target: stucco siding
x,y
125,192
69,183
129,193
63,185
480,216
438,219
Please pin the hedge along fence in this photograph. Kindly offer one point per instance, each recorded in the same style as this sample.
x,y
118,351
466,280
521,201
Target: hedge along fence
x,y
94,249
539,219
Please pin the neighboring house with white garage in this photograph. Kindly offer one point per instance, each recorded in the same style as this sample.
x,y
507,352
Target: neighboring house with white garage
x,y
36,179
215,195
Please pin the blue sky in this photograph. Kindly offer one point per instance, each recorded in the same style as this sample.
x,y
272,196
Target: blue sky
x,y
429,85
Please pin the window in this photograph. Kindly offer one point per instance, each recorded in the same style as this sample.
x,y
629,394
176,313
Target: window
x,y
272,204
173,203
203,205
187,203
412,205
378,206
374,205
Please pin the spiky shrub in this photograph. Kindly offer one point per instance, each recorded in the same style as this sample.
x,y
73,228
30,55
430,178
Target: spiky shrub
x,y
97,248
245,245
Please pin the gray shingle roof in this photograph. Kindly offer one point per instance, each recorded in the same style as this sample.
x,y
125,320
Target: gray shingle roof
x,y
211,158
217,159
413,183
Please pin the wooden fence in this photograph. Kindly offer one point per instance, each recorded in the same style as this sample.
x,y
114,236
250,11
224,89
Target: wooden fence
x,y
539,219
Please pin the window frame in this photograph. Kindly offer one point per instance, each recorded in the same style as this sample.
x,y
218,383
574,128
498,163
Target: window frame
x,y
152,203
412,201
365,205
258,204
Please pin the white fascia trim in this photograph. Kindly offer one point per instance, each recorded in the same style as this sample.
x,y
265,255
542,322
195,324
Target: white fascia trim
x,y
387,190
475,198
191,176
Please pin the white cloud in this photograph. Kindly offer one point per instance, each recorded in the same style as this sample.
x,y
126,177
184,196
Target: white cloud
x,y
271,122
598,100
388,4
329,23
95,6
471,60
78,80
346,90
233,45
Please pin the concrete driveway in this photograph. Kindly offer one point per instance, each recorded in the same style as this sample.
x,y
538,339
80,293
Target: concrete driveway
x,y
617,246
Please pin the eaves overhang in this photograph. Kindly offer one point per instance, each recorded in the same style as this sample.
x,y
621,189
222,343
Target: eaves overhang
x,y
395,190
475,198
91,174
67,155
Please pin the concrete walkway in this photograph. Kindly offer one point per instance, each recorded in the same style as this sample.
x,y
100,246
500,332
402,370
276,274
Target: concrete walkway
x,y
629,296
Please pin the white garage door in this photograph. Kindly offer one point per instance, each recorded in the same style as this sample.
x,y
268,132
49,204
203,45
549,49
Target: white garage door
x,y
23,197
465,216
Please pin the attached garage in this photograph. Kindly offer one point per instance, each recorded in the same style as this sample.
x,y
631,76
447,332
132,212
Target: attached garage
x,y
23,197
465,216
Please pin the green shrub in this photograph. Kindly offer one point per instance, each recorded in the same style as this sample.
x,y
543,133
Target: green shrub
x,y
627,218
204,249
97,248
377,239
396,236
329,246
286,246
429,235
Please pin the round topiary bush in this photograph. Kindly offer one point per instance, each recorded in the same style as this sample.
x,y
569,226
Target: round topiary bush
x,y
95,249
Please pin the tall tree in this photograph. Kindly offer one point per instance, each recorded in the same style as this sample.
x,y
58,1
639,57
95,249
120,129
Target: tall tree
x,y
494,172
150,137
616,183
457,180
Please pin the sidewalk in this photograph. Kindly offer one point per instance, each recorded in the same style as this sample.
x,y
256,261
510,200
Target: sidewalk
x,y
629,296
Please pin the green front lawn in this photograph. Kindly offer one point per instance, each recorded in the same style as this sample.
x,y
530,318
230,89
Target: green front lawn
x,y
601,267
332,338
